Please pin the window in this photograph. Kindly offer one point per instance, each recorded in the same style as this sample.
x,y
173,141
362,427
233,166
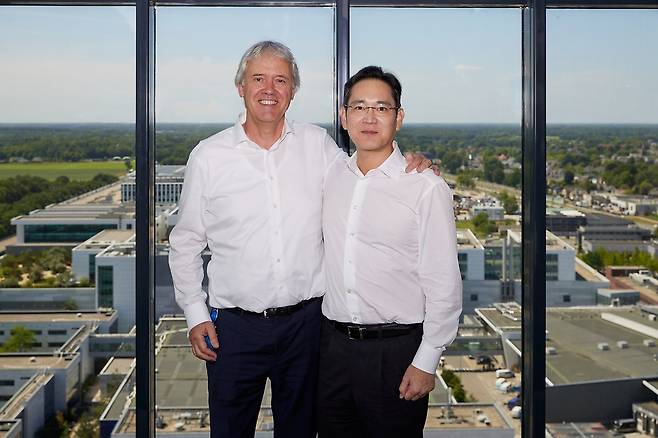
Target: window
x,y
92,267
6,383
57,332
55,344
105,286
196,98
566,298
474,297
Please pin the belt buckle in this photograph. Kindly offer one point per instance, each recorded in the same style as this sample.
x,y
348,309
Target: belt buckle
x,y
360,331
267,313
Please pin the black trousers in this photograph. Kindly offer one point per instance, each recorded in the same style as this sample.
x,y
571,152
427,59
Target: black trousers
x,y
358,387
253,348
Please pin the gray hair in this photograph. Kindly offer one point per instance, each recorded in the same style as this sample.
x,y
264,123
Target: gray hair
x,y
273,47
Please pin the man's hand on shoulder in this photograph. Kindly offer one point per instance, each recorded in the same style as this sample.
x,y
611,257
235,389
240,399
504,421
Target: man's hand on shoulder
x,y
198,341
416,160
416,384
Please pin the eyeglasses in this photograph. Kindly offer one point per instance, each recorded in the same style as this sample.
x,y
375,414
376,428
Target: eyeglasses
x,y
380,111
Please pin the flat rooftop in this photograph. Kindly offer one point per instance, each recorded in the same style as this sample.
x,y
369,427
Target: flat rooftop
x,y
587,273
465,416
466,239
576,335
12,361
107,237
119,250
77,213
55,316
13,407
651,407
502,317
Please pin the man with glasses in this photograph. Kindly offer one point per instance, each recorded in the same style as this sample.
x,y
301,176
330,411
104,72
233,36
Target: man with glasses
x,y
253,196
393,303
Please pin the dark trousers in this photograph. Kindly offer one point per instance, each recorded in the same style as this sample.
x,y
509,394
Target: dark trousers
x,y
253,348
358,387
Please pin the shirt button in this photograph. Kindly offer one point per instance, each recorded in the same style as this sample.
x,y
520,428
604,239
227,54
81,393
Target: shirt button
x,y
278,260
349,291
351,234
274,205
349,262
354,207
355,319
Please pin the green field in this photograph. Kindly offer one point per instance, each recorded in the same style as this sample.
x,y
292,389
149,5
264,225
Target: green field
x,y
84,170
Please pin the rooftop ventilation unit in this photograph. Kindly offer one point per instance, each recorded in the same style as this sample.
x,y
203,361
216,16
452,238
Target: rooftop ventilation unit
x,y
551,351
649,343
267,426
603,346
622,344
180,427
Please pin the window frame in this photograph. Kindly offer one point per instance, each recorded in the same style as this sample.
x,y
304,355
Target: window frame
x,y
533,66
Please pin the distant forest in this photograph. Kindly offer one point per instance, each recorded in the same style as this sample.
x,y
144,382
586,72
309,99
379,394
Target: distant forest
x,y
577,149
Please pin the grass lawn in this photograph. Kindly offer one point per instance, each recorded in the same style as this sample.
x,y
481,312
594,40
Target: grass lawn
x,y
84,170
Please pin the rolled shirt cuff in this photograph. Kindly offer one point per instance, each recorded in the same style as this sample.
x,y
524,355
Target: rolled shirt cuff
x,y
195,314
427,357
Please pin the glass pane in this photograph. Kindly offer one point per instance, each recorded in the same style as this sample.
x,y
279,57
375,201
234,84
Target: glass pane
x,y
461,91
198,52
602,187
67,275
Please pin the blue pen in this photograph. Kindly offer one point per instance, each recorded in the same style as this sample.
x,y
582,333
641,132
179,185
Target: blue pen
x,y
213,318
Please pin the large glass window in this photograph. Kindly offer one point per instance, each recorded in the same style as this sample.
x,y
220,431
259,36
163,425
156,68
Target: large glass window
x,y
602,181
196,97
461,92
67,133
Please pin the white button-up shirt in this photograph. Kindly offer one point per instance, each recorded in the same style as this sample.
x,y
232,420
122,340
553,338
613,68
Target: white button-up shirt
x,y
259,211
391,251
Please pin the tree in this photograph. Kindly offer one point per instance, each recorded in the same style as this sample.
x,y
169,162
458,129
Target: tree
x,y
21,339
568,177
510,204
493,170
482,224
465,180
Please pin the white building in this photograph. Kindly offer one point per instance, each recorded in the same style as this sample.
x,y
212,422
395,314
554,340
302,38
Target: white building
x,y
493,212
168,184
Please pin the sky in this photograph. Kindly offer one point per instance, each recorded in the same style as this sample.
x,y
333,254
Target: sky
x,y
77,64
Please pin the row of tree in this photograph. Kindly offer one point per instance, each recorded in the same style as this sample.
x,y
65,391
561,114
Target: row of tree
x,y
601,257
22,194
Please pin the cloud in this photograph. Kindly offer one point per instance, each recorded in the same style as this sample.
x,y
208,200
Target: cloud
x,y
467,67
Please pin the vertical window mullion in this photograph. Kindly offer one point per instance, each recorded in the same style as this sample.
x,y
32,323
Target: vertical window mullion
x,y
534,219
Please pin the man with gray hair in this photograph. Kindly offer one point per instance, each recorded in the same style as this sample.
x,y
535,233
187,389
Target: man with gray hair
x,y
253,196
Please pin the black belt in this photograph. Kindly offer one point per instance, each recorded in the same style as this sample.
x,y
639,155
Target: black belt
x,y
374,331
274,311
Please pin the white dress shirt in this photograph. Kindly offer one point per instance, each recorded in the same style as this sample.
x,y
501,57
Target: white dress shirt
x,y
391,251
259,211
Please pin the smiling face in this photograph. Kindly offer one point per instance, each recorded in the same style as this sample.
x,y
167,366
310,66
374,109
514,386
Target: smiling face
x,y
371,130
267,90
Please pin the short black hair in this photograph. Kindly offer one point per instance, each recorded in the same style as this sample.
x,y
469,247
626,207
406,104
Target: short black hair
x,y
374,72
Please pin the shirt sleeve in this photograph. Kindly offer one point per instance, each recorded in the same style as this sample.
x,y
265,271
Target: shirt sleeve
x,y
187,242
439,275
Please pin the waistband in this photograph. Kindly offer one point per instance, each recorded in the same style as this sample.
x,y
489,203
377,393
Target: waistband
x,y
374,331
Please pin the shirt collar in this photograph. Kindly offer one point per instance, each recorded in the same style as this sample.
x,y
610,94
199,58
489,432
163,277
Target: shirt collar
x,y
393,166
239,136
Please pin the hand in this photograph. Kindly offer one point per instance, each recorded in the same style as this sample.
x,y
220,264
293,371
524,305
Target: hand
x,y
416,384
198,342
416,160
